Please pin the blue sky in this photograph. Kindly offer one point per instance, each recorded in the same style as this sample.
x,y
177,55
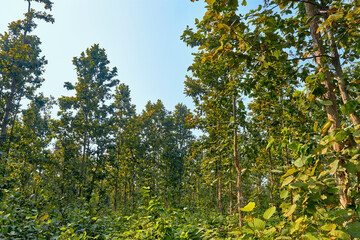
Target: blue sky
x,y
141,38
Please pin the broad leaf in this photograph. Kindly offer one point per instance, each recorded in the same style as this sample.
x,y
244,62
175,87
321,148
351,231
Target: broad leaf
x,y
259,224
349,107
269,212
249,207
353,228
290,211
287,181
270,142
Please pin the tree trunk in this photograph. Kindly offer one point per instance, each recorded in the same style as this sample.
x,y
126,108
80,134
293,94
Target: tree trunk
x,y
271,179
116,191
83,161
125,193
237,166
230,193
331,110
335,60
219,188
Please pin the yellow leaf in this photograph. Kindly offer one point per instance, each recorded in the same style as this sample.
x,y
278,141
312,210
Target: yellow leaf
x,y
43,218
249,207
290,211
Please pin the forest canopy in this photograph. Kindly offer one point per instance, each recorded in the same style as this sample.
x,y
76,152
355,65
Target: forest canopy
x,y
276,95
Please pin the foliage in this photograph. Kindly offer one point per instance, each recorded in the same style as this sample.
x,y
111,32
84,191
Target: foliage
x,y
276,100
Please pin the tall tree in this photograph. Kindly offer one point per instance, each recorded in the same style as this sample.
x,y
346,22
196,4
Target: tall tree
x,y
90,103
124,152
21,66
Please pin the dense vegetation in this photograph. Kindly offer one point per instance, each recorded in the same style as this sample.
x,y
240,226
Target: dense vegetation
x,y
276,92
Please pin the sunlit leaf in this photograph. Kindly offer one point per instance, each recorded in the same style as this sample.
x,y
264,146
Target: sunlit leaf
x,y
290,211
269,212
249,207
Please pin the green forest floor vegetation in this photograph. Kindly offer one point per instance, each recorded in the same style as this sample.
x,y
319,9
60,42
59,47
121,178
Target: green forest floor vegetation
x,y
23,218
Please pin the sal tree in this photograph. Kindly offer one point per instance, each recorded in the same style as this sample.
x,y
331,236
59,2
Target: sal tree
x,y
302,58
90,109
21,65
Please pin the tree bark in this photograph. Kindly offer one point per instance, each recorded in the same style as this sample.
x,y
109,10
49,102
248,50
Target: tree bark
x,y
271,179
331,110
342,83
219,187
116,191
237,165
230,193
83,161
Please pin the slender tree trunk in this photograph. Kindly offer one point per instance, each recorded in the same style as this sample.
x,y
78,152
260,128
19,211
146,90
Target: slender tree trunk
x,y
12,128
230,193
331,110
342,83
125,193
116,191
271,179
219,189
258,191
83,161
92,183
237,166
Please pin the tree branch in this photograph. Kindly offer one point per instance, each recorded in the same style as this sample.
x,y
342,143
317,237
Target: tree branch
x,y
306,58
309,2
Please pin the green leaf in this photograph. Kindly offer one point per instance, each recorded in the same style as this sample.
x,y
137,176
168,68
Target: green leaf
x,y
299,162
249,207
284,130
294,146
340,136
287,180
336,16
270,231
339,234
283,5
334,166
210,2
290,211
270,142
350,167
269,212
326,127
289,172
284,194
233,3
243,3
325,102
328,227
310,236
259,224
353,228
356,133
349,107
316,124
297,185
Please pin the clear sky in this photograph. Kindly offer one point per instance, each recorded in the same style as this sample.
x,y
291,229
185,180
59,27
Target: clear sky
x,y
141,38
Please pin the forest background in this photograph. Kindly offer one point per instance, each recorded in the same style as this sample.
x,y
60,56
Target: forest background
x,y
276,96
